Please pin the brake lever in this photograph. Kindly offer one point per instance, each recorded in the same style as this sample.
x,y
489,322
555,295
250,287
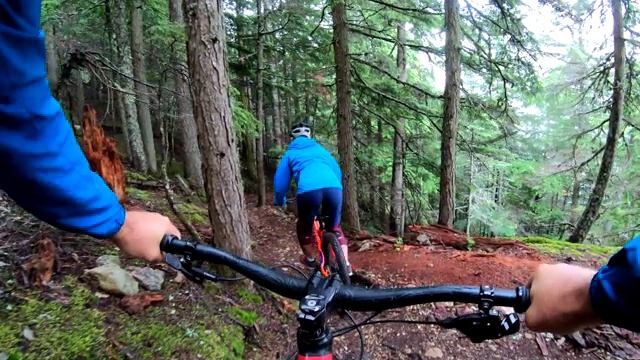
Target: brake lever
x,y
185,267
481,326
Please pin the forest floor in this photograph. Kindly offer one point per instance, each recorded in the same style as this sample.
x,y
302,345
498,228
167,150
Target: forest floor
x,y
70,318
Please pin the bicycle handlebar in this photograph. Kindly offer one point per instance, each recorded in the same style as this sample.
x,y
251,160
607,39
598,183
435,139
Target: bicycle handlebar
x,y
347,297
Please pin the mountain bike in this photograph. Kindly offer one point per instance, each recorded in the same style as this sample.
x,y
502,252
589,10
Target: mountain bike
x,y
319,295
331,256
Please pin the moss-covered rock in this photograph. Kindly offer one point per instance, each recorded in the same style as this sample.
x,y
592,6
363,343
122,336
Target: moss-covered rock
x,y
562,247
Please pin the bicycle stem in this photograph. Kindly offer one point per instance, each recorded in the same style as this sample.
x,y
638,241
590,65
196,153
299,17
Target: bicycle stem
x,y
314,337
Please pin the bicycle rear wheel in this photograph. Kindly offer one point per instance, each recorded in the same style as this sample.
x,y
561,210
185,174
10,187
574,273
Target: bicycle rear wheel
x,y
335,257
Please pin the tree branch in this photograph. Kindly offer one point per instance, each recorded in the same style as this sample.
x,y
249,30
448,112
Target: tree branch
x,y
398,101
390,75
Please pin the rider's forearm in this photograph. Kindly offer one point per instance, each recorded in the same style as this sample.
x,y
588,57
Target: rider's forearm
x,y
46,172
43,167
282,180
614,289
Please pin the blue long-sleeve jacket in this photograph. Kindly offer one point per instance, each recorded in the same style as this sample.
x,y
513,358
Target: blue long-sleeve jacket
x,y
43,168
310,164
615,289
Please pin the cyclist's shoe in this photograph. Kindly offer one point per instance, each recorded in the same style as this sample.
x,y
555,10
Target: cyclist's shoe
x,y
350,269
310,263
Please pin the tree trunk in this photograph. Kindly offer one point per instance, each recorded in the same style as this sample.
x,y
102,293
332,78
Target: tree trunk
x,y
351,217
380,191
288,103
372,189
142,91
223,183
53,66
470,201
575,195
277,116
245,92
295,88
450,121
125,64
590,214
76,92
188,127
262,184
396,226
119,106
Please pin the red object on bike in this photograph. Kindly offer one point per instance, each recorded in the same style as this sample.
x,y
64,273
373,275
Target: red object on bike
x,y
321,357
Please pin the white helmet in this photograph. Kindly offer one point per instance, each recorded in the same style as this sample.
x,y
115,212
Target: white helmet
x,y
300,129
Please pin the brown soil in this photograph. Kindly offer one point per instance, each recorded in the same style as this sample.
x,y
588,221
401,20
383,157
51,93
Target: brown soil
x,y
443,260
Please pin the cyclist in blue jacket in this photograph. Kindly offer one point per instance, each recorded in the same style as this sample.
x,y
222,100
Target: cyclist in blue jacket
x,y
566,298
43,168
319,184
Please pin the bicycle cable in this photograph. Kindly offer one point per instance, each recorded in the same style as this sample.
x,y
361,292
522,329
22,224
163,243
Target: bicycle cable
x,y
359,334
341,331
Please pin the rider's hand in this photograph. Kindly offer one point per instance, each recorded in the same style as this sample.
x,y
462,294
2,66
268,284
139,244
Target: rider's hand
x,y
141,234
560,301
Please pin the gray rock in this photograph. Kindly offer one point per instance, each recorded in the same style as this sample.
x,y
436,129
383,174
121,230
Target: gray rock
x,y
28,334
577,337
365,245
108,259
423,239
434,353
114,280
150,279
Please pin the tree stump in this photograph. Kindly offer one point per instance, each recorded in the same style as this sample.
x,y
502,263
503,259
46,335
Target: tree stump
x,y
101,153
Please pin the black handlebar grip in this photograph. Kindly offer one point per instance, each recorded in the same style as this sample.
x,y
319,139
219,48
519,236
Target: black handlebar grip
x,y
165,243
523,296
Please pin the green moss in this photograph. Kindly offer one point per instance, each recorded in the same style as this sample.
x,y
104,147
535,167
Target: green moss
x,y
130,175
60,331
561,247
246,317
75,329
175,168
165,341
212,288
249,297
195,214
138,194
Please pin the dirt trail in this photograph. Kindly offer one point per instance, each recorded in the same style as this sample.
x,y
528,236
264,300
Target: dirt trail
x,y
429,255
493,262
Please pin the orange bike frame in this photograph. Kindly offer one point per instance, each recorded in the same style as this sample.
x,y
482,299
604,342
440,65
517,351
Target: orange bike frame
x,y
318,235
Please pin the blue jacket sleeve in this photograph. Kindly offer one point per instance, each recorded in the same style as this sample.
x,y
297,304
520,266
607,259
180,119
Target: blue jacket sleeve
x,y
615,289
282,180
43,168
